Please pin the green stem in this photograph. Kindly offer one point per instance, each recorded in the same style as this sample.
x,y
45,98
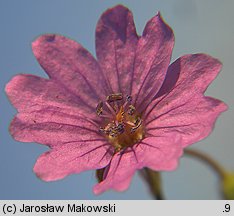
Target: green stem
x,y
207,159
153,179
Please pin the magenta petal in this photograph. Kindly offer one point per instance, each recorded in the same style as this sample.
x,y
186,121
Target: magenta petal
x,y
30,93
193,120
193,71
53,128
122,168
158,153
72,158
181,107
152,59
48,114
72,66
123,185
161,152
116,42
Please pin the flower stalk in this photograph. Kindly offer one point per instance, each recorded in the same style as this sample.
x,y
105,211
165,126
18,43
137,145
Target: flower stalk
x,y
226,177
153,178
208,160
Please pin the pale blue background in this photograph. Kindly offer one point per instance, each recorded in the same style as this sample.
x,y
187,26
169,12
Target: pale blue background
x,y
199,26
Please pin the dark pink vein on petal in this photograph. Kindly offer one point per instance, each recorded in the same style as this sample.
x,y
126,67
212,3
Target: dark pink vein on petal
x,y
157,117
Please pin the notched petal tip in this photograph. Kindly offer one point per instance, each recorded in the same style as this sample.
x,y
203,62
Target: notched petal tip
x,y
50,37
44,38
116,19
8,86
205,57
38,170
114,14
158,24
118,8
120,187
205,61
224,107
160,18
12,129
96,190
13,85
46,174
218,106
41,40
16,88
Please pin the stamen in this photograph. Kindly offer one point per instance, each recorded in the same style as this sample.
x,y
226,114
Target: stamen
x,y
99,108
130,123
138,123
120,115
102,130
120,128
128,100
114,97
122,125
115,106
106,116
110,108
131,110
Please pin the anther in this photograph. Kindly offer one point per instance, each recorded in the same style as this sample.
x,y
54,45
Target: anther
x,y
99,108
114,97
131,110
129,98
120,128
113,133
138,123
127,101
102,130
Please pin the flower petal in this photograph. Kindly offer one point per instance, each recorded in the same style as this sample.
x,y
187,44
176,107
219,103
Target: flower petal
x,y
161,153
181,106
152,59
53,128
116,42
72,66
30,93
158,153
193,71
122,168
193,120
72,158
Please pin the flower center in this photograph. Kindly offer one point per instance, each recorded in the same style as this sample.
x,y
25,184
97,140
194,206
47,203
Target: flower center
x,y
121,125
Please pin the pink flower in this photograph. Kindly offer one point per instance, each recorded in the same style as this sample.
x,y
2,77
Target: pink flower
x,y
126,110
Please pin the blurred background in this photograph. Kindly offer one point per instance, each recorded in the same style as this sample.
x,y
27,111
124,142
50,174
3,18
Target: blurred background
x,y
199,26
